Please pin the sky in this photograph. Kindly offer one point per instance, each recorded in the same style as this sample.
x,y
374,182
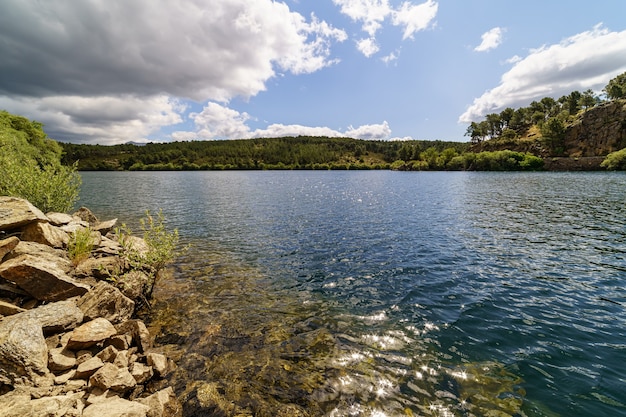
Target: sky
x,y
114,71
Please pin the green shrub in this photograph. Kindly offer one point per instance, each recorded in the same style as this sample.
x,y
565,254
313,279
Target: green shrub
x,y
615,161
80,245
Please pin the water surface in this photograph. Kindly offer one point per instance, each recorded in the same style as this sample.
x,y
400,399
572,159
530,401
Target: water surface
x,y
378,293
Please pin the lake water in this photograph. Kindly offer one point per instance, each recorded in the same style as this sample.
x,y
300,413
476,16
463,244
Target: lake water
x,y
378,293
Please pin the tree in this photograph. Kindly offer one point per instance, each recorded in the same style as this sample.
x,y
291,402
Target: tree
x,y
588,99
616,88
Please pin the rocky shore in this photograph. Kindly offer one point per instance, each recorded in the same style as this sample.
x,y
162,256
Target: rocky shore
x,y
70,344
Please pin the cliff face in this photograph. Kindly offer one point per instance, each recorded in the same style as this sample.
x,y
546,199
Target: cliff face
x,y
598,132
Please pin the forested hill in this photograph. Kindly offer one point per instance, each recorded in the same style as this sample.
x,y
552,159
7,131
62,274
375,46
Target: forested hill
x,y
264,153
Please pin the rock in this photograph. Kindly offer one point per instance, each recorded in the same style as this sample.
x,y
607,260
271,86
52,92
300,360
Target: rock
x,y
107,247
120,341
40,279
122,359
86,215
132,284
61,359
16,212
59,219
111,377
105,227
64,378
74,226
7,245
102,268
141,372
57,317
91,333
23,350
8,309
140,334
46,234
137,244
56,257
158,363
116,407
21,405
88,368
163,404
108,354
104,300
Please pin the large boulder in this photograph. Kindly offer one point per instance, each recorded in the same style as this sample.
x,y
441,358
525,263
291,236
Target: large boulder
x,y
56,317
40,279
91,333
104,300
56,257
16,212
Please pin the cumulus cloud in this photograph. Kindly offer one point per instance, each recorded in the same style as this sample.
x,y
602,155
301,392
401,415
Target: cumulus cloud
x,y
92,65
584,61
367,47
490,40
216,121
372,14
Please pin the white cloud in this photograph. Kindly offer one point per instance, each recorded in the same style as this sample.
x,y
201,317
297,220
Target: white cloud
x,y
186,48
490,40
367,47
387,59
372,14
105,120
584,61
216,121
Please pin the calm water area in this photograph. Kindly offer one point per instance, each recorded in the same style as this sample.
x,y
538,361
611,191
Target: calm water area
x,y
379,293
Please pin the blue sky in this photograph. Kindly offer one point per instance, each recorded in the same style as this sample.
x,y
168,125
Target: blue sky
x,y
112,71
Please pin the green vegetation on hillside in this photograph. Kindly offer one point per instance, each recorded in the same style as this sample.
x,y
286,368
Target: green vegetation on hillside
x,y
30,166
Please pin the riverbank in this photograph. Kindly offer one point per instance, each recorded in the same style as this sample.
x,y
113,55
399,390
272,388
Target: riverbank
x,y
70,342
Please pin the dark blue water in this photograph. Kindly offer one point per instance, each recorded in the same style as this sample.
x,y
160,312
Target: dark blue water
x,y
437,293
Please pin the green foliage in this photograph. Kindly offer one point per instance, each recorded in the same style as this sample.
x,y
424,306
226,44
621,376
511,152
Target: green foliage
x,y
30,166
162,247
616,88
615,161
80,245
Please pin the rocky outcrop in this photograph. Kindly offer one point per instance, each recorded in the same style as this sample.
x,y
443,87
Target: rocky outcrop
x,y
68,343
599,131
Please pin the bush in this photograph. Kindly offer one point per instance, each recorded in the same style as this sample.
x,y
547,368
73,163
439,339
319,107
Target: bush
x,y
615,161
80,245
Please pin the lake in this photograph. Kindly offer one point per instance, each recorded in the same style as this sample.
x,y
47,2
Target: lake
x,y
380,293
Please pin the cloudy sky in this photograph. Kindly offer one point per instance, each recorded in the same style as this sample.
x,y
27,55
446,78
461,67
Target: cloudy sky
x,y
112,71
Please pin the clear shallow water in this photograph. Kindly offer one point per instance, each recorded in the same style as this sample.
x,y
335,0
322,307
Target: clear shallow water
x,y
386,293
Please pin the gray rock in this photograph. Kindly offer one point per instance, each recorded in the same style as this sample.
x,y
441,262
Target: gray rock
x,y
111,377
46,234
104,300
91,333
105,227
40,279
7,245
16,212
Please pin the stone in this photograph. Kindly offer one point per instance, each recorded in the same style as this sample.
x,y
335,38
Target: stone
x,y
21,405
105,227
40,279
91,333
108,354
98,395
139,332
88,368
74,226
83,355
56,257
23,350
104,300
101,268
16,212
59,219
7,245
132,284
86,215
64,378
46,234
122,359
57,317
120,341
163,403
116,407
61,359
107,247
111,377
141,372
8,309
158,362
